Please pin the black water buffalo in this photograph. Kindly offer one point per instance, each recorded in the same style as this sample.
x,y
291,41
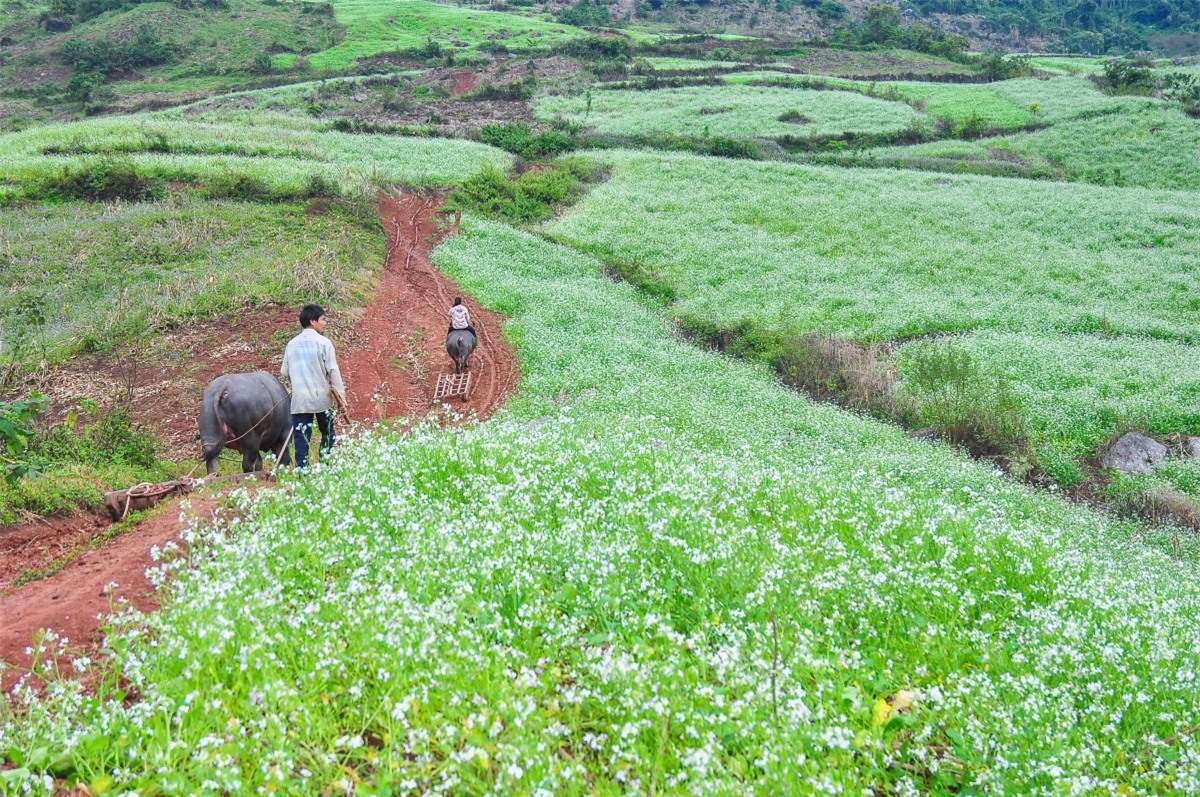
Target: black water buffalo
x,y
247,412
459,345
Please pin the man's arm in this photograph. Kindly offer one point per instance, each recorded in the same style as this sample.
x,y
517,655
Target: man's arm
x,y
335,375
283,366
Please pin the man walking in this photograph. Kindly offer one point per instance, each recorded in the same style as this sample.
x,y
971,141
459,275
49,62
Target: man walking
x,y
310,363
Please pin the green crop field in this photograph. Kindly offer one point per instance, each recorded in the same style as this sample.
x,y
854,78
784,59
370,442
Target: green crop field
x,y
737,111
629,562
1006,104
877,255
283,158
1146,143
772,251
374,27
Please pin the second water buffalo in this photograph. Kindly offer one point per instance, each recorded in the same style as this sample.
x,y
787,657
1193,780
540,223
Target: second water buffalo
x,y
459,345
250,413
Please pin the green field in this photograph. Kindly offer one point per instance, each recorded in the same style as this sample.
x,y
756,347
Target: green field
x,y
621,549
770,251
283,158
735,111
374,27
878,255
1147,143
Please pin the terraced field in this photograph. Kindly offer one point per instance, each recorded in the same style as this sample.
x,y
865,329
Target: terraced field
x,y
283,159
736,111
1145,143
373,27
770,251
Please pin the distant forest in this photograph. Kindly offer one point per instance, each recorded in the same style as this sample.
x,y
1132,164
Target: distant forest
x,y
1092,26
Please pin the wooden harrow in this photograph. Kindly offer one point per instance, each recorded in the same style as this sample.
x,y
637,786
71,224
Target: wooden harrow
x,y
451,385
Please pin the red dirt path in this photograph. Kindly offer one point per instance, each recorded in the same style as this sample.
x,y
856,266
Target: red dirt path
x,y
390,369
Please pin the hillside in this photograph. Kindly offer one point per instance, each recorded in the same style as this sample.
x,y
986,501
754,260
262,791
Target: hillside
x,y
1169,26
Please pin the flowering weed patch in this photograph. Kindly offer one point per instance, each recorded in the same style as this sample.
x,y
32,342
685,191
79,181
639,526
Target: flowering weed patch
x,y
656,571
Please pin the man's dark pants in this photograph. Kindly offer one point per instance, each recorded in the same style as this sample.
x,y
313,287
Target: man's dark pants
x,y
302,424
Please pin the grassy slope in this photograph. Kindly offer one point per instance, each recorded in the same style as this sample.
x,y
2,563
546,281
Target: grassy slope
x,y
770,250
597,592
177,260
211,49
737,111
282,157
374,26
1147,143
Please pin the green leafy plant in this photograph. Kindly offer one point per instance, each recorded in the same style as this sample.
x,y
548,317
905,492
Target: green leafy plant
x,y
17,428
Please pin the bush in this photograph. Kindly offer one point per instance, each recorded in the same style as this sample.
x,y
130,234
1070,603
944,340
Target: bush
x,y
1001,66
101,179
261,63
597,48
731,148
1123,76
529,198
17,419
1184,89
242,187
944,389
517,90
104,56
584,14
519,138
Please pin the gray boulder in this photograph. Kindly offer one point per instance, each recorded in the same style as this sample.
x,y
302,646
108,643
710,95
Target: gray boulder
x,y
1191,447
1134,453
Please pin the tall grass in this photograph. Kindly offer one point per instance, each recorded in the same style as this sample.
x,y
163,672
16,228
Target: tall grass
x,y
84,276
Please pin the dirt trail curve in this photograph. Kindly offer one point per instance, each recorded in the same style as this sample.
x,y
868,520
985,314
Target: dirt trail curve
x,y
402,334
391,369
